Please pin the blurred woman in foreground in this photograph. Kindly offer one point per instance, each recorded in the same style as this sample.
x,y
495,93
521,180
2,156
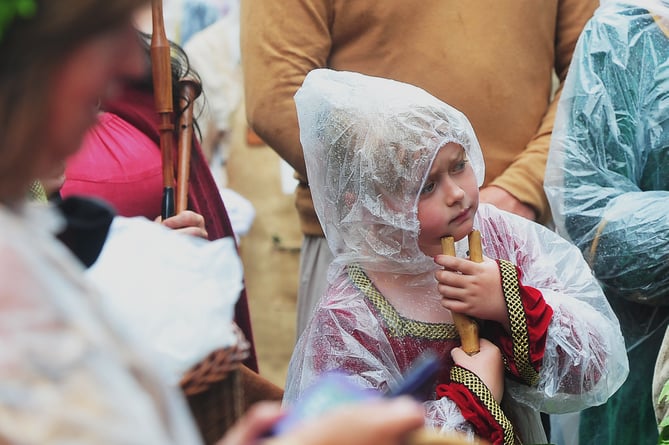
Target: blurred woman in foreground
x,y
65,375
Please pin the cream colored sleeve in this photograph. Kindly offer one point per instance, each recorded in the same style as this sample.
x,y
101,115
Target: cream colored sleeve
x,y
63,377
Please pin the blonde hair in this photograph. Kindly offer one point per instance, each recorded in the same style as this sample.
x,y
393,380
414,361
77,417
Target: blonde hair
x,y
32,49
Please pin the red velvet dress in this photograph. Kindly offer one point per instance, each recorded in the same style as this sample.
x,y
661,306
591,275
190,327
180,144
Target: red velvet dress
x,y
385,195
556,357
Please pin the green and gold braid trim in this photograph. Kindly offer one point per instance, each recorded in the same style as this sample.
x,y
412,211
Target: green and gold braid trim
x,y
398,326
518,321
476,386
36,192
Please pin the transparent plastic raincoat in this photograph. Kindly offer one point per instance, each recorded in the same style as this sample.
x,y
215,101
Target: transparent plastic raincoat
x,y
607,181
369,144
65,377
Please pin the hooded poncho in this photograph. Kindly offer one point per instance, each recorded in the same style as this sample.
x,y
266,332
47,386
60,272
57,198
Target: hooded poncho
x,y
369,144
607,181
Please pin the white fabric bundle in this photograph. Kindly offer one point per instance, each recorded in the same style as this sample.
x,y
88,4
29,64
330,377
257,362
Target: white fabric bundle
x,y
172,294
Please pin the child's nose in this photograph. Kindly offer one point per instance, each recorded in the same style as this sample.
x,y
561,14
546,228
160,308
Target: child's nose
x,y
452,191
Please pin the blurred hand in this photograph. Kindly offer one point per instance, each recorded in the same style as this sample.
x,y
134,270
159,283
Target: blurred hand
x,y
504,200
376,422
186,222
487,364
257,421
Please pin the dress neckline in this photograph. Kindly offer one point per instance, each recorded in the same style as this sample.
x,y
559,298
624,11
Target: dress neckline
x,y
398,325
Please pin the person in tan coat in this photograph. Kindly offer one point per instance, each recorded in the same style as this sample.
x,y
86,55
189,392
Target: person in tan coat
x,y
493,61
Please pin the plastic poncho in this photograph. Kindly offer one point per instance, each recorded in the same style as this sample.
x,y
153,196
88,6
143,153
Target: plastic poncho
x,y
369,144
607,176
65,377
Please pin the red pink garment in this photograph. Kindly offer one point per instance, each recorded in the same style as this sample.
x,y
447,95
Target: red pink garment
x,y
120,162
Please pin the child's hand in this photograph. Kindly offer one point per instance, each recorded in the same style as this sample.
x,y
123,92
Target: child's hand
x,y
470,288
486,364
186,222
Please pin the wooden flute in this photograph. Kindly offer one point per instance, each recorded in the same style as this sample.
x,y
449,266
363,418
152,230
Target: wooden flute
x,y
161,67
189,91
467,328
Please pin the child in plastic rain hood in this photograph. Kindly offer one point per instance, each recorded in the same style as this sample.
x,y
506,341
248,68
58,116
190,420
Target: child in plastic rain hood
x,y
392,170
607,183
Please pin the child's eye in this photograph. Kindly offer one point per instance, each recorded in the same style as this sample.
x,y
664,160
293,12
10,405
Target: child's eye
x,y
428,188
459,166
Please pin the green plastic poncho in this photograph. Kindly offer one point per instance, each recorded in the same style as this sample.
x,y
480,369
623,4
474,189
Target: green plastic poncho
x,y
607,181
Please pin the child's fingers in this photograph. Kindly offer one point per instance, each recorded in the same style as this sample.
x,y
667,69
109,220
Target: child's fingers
x,y
459,356
449,262
487,345
487,364
449,278
487,349
461,265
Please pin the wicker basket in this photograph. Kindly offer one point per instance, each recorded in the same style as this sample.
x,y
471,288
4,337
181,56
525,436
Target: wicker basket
x,y
213,390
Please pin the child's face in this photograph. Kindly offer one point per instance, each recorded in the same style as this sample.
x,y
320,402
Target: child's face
x,y
448,201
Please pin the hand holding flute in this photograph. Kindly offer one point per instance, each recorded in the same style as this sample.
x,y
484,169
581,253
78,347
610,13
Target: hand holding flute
x,y
472,287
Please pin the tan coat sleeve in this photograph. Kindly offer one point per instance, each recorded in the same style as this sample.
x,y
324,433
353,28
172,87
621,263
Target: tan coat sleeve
x,y
281,41
525,176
